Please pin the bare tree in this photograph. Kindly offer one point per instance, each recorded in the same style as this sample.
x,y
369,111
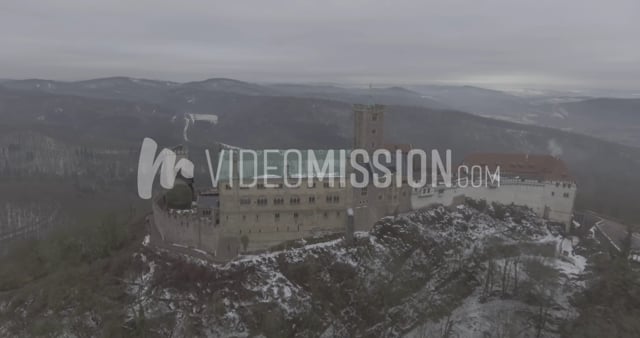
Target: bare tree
x,y
544,284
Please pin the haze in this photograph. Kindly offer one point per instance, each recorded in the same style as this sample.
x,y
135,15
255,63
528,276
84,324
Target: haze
x,y
500,43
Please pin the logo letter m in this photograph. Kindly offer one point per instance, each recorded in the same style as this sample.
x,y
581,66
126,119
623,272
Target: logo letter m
x,y
166,162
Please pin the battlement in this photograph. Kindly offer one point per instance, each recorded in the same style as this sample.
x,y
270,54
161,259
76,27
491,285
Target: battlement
x,y
377,108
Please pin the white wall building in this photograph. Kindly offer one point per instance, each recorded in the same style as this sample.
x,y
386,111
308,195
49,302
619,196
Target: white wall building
x,y
540,182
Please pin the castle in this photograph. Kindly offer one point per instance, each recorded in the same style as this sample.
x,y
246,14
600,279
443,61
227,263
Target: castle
x,y
235,219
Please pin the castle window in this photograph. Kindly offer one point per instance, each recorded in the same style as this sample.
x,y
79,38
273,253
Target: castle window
x,y
553,193
557,184
333,199
277,217
260,185
326,185
312,199
278,201
566,195
363,192
262,201
326,215
338,213
294,200
245,201
244,217
373,131
295,215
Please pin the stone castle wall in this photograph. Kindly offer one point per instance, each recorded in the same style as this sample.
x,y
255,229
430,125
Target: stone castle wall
x,y
187,228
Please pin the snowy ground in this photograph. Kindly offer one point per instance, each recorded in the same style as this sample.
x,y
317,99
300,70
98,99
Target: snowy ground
x,y
508,317
413,275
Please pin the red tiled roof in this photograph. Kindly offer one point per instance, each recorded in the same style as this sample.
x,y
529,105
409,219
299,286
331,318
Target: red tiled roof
x,y
544,167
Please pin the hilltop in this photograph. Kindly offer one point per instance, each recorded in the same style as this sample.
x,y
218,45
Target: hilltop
x,y
415,274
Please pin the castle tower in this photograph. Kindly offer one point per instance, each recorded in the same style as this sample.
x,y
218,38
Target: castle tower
x,y
368,127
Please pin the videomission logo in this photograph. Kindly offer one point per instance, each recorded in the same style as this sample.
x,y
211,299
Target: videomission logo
x,y
359,167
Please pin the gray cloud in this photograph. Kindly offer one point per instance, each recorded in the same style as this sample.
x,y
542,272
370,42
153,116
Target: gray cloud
x,y
543,43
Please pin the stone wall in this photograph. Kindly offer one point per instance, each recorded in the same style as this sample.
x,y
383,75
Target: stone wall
x,y
187,227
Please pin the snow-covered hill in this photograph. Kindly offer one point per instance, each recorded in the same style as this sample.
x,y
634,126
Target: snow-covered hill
x,y
469,271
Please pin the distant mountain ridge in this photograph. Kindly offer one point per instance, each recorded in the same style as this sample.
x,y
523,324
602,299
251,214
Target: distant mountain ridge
x,y
155,91
610,119
606,172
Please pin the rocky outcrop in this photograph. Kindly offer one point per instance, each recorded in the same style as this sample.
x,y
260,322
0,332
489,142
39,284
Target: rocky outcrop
x,y
404,277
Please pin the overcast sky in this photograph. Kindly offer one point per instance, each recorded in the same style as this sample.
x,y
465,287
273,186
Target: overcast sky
x,y
534,43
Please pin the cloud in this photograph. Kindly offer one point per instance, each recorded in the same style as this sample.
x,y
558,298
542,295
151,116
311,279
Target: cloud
x,y
573,43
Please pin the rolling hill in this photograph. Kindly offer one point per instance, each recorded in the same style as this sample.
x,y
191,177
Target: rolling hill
x,y
606,172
